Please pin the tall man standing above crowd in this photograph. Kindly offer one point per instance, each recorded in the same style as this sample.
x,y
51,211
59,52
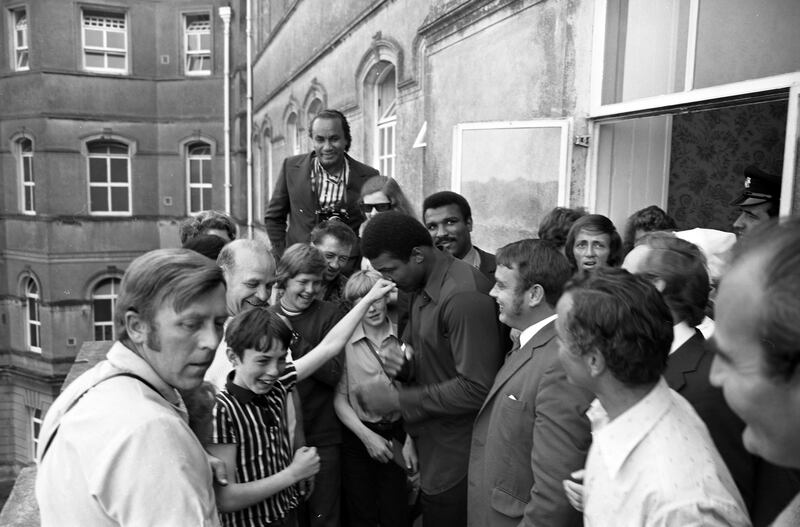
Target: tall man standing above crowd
x,y
318,185
115,446
458,348
531,432
448,217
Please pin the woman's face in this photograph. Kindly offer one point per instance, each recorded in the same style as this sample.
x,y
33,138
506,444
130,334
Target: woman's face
x,y
591,249
375,203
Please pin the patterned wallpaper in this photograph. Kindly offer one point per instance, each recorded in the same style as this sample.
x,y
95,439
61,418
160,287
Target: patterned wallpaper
x,y
710,150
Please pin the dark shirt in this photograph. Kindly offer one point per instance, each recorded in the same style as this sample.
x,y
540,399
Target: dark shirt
x,y
320,424
257,425
458,348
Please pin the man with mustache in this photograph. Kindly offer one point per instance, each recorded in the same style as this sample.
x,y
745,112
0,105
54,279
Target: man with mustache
x,y
448,218
300,276
249,271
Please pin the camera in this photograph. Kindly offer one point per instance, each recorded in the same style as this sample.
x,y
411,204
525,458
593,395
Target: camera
x,y
332,212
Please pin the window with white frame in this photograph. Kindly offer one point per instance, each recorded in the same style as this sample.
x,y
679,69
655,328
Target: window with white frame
x,y
386,123
109,178
37,418
33,320
104,305
199,177
21,55
681,104
25,171
197,44
105,41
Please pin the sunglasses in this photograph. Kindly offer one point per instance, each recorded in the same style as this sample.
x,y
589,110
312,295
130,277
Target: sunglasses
x,y
380,207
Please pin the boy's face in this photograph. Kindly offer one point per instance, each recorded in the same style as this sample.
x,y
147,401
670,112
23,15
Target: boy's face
x,y
300,291
258,370
376,314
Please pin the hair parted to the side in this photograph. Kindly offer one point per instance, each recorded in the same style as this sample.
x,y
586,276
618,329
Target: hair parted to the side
x,y
205,220
178,276
336,228
648,219
393,233
555,225
391,188
595,224
329,113
537,262
624,317
256,329
776,245
447,197
359,284
300,258
682,267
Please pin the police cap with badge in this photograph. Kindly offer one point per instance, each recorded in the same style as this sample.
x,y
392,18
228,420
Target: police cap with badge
x,y
759,187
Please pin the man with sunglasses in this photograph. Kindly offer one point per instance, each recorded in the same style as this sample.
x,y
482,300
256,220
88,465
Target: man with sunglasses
x,y
335,240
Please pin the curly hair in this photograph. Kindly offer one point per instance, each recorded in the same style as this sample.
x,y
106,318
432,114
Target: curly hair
x,y
391,188
648,219
625,318
555,226
393,233
595,224
205,220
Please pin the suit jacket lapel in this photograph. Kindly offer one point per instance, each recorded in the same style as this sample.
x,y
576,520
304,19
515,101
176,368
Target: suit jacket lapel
x,y
519,358
684,360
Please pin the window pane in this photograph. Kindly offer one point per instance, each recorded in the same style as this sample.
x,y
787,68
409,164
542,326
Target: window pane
x,y
33,312
206,165
22,59
116,62
97,170
194,196
193,42
99,334
98,199
741,39
119,199
206,198
205,41
115,40
93,37
95,60
27,168
195,64
30,205
102,310
194,171
117,148
34,335
119,170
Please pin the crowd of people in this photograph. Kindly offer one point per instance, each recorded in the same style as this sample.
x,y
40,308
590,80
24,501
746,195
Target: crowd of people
x,y
367,369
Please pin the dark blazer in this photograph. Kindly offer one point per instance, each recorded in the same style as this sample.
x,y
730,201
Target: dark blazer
x,y
523,448
488,263
294,197
766,488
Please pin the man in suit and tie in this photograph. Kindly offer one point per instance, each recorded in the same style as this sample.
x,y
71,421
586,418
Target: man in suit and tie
x,y
678,270
317,186
531,431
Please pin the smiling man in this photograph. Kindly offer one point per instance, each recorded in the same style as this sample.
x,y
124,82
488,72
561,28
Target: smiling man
x,y
757,364
318,185
531,432
300,272
335,240
458,347
448,218
117,440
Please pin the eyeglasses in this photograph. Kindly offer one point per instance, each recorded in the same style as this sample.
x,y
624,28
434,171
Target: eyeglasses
x,y
380,207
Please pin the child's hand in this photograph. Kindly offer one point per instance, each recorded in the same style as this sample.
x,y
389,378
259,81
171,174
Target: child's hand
x,y
574,489
379,449
305,463
381,289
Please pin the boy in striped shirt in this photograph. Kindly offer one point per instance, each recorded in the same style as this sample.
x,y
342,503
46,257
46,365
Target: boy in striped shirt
x,y
250,430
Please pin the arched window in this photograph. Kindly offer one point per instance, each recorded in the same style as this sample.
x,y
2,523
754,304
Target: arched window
x,y
33,320
21,39
199,177
293,134
386,120
104,307
25,171
109,177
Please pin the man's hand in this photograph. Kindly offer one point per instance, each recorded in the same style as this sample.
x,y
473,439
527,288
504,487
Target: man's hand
x,y
374,397
218,470
574,489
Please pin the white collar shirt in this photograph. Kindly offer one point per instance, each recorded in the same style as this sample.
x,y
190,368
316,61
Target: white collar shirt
x,y
531,331
656,466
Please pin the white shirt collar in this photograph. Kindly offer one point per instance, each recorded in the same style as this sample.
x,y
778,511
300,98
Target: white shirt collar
x,y
681,332
531,331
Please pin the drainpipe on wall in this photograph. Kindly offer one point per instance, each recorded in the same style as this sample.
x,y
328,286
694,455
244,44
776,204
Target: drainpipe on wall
x,y
249,33
225,15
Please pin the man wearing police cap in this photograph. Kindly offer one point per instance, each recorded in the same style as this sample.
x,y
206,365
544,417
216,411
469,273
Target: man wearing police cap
x,y
759,201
